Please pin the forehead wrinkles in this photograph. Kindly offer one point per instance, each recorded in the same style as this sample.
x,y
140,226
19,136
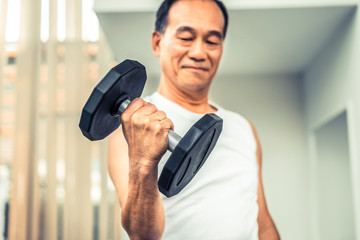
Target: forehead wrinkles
x,y
196,13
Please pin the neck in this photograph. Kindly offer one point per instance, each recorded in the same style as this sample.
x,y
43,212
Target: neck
x,y
194,101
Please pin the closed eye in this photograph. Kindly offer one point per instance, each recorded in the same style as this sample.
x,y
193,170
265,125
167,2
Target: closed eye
x,y
186,39
212,43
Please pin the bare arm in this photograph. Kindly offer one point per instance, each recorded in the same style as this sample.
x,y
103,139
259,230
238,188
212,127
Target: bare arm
x,y
267,228
132,163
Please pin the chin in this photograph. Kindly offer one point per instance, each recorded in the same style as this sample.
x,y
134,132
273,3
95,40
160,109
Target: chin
x,y
196,86
193,82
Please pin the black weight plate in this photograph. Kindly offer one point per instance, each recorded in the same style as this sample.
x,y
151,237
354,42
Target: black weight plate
x,y
190,154
97,120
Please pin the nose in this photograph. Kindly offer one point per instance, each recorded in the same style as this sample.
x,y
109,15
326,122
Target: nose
x,y
197,51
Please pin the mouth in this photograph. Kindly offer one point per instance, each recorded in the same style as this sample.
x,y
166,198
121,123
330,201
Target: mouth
x,y
196,68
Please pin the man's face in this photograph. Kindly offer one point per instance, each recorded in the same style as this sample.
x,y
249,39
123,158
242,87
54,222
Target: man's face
x,y
191,47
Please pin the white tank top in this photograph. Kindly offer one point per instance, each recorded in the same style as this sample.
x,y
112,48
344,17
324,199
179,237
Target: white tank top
x,y
221,200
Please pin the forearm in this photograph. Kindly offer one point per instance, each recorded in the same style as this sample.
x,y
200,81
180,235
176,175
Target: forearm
x,y
143,213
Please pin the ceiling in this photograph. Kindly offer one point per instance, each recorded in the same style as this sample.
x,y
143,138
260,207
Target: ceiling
x,y
277,39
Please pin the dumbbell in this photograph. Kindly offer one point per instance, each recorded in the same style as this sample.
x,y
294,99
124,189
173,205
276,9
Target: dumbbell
x,y
109,99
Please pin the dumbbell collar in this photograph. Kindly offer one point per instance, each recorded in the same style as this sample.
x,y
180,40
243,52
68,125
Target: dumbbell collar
x,y
119,107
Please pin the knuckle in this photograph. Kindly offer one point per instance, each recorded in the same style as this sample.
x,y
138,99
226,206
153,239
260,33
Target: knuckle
x,y
162,113
136,119
170,123
138,101
157,127
146,121
151,107
124,117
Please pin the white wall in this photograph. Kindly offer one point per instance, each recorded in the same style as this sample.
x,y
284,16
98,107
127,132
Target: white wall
x,y
334,198
332,85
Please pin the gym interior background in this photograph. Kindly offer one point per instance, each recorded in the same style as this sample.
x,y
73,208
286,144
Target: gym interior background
x,y
291,67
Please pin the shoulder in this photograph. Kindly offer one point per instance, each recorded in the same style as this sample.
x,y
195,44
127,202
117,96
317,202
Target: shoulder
x,y
248,132
237,125
234,120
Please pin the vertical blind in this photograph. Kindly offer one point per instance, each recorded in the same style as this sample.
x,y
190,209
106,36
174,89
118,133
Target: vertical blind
x,y
55,181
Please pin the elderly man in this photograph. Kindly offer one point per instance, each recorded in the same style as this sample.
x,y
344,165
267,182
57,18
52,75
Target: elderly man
x,y
225,200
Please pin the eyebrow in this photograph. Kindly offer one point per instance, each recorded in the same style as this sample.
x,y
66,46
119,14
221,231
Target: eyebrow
x,y
216,34
185,29
192,31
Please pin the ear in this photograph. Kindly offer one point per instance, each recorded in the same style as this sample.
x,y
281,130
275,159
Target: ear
x,y
156,40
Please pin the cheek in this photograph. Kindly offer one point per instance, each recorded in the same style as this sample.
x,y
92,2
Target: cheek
x,y
173,48
177,50
216,56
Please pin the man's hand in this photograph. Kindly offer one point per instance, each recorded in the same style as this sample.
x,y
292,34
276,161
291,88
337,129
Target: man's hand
x,y
146,131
